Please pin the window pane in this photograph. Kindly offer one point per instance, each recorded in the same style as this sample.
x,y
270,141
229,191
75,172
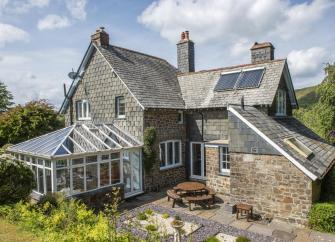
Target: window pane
x,y
228,165
162,154
177,152
61,163
63,181
33,160
104,174
85,110
40,162
105,157
115,172
91,176
40,180
77,161
223,164
48,179
115,156
47,163
91,159
78,179
79,110
170,153
34,168
122,106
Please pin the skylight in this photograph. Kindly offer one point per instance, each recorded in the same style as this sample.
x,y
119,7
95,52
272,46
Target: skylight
x,y
299,147
242,79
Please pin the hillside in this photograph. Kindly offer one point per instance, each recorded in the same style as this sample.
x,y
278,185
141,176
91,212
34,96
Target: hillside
x,y
306,96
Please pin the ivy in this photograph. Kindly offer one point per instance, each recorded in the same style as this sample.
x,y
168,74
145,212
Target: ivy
x,y
149,155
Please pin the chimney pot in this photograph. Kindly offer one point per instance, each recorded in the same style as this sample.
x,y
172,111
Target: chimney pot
x,y
187,34
182,37
100,37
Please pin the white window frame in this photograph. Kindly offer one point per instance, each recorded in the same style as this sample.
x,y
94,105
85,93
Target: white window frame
x,y
281,103
174,164
224,171
181,115
80,105
117,108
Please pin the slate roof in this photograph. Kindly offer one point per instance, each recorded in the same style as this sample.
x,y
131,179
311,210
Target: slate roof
x,y
153,81
279,128
198,88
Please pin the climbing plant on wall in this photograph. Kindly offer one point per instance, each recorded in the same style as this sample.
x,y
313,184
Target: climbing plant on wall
x,y
149,155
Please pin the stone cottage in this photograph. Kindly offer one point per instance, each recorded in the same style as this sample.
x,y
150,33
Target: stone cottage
x,y
229,127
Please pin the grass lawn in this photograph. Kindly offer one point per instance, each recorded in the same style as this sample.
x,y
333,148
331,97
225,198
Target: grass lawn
x,y
10,232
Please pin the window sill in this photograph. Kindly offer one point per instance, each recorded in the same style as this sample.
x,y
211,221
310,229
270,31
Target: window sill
x,y
84,119
170,167
225,173
120,117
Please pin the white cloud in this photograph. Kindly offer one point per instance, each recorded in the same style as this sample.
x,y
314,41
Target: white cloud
x,y
22,6
53,21
77,8
10,33
227,20
307,62
241,47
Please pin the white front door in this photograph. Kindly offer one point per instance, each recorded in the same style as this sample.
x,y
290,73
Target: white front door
x,y
197,160
132,172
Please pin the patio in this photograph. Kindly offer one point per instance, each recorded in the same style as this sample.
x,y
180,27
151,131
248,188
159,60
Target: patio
x,y
216,220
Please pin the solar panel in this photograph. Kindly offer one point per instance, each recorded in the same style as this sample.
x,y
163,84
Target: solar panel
x,y
227,81
250,79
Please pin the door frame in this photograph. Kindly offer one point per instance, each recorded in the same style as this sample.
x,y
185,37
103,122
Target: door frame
x,y
140,191
202,176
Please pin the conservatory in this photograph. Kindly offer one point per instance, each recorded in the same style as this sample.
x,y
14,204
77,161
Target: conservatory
x,y
83,158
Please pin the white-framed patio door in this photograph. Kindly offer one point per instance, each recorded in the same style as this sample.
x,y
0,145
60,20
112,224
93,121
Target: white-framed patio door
x,y
197,160
132,172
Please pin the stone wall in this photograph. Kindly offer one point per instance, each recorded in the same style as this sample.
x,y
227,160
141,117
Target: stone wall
x,y
167,128
220,183
272,184
100,88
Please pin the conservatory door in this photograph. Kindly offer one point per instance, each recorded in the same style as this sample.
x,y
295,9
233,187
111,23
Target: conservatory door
x,y
132,172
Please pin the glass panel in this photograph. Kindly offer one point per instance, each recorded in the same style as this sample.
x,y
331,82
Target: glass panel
x,y
115,169
79,110
196,159
47,163
91,159
126,175
40,161
104,174
34,168
78,179
121,106
115,156
33,159
135,161
48,179
85,111
40,180
170,153
105,157
162,154
91,176
63,181
77,161
177,152
61,163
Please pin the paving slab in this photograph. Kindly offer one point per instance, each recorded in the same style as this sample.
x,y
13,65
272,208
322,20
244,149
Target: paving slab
x,y
303,235
240,224
282,226
261,229
322,237
283,235
223,218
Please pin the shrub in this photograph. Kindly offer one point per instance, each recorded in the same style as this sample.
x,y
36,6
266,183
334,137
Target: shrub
x,y
242,239
322,217
212,239
142,216
149,211
17,181
165,215
151,227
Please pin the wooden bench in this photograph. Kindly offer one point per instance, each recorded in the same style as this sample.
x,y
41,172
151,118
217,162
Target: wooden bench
x,y
210,192
202,199
244,208
171,194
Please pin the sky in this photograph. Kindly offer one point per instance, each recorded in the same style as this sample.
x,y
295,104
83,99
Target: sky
x,y
41,41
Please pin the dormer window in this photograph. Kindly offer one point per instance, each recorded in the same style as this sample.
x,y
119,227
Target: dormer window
x,y
83,110
281,103
120,107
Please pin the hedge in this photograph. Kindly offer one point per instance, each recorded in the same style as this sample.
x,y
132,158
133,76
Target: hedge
x,y
322,217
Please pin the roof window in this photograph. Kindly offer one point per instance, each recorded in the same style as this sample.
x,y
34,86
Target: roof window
x,y
299,147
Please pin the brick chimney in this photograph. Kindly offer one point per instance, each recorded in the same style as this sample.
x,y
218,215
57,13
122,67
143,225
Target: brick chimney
x,y
185,53
100,37
261,52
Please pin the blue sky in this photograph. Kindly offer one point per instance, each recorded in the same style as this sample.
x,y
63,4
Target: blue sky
x,y
42,40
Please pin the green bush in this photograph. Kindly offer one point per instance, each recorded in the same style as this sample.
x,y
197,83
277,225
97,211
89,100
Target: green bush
x,y
17,181
242,239
322,217
142,216
151,227
212,239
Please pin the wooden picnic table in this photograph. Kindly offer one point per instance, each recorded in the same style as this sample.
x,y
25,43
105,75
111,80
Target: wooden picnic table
x,y
190,186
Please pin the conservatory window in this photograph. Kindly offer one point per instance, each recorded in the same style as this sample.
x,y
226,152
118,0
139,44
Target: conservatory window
x,y
104,174
281,102
115,172
48,180
83,110
63,180
40,180
91,176
78,179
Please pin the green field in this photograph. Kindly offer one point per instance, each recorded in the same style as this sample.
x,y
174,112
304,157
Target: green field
x,y
306,96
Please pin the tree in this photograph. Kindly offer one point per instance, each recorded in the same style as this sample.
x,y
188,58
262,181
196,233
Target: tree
x,y
6,98
25,122
17,181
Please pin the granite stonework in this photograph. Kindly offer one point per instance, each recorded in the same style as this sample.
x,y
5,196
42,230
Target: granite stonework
x,y
100,87
165,121
220,183
272,184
